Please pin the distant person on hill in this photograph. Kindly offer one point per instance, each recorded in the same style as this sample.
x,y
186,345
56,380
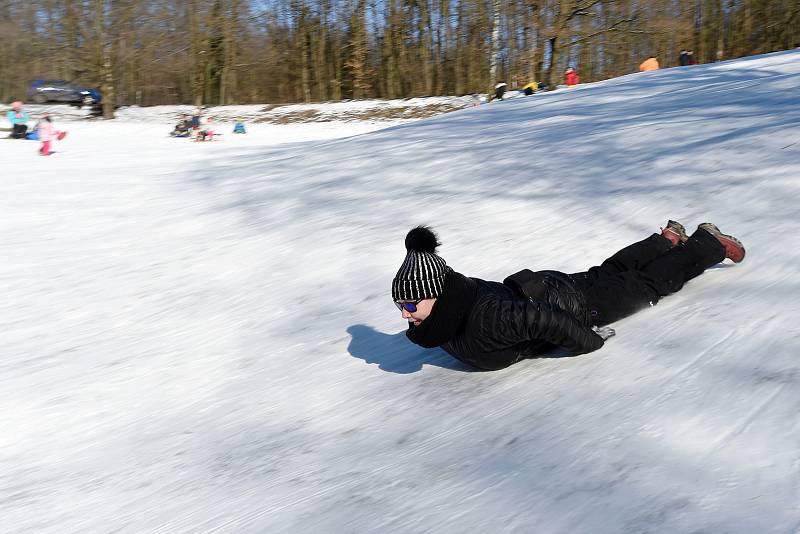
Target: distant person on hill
x,y
18,119
206,131
491,325
196,119
683,58
530,88
183,128
571,77
499,90
651,63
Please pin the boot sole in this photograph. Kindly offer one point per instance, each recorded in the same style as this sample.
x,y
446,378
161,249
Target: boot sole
x,y
677,231
734,249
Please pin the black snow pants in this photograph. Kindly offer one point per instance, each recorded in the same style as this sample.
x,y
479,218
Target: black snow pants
x,y
640,274
18,131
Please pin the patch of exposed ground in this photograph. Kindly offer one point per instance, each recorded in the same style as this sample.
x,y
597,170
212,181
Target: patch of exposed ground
x,y
376,114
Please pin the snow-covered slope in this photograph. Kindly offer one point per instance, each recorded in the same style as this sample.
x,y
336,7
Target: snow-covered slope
x,y
199,337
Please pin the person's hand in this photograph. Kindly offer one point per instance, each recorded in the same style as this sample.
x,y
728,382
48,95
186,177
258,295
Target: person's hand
x,y
604,332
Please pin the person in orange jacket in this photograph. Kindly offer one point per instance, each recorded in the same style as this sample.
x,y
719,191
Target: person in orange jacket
x,y
571,77
650,63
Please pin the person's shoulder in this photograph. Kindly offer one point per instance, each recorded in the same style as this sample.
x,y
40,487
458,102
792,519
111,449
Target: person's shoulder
x,y
490,292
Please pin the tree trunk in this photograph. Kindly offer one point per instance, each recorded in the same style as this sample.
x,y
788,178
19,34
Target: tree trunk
x,y
553,65
197,70
109,96
103,44
494,58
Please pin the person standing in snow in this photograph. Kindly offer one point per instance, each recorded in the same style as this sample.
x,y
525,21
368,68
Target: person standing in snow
x,y
195,121
195,118
18,119
47,133
491,325
571,77
499,90
683,58
650,63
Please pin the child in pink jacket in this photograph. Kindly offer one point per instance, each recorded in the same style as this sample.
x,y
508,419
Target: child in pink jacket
x,y
47,133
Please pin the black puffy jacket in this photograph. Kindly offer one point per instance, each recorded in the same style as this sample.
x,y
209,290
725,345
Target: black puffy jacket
x,y
490,325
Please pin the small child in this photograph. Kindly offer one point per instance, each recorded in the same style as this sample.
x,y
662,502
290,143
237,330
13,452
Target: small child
x,y
238,128
47,133
206,132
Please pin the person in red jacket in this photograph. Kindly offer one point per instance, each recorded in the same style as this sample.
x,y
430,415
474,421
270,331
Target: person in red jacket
x,y
571,77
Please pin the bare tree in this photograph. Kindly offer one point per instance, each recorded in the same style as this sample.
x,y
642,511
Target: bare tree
x,y
226,51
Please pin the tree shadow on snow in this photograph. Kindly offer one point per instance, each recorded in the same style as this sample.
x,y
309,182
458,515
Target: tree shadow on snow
x,y
395,354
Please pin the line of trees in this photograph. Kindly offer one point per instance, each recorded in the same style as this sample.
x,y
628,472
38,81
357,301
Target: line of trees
x,y
150,52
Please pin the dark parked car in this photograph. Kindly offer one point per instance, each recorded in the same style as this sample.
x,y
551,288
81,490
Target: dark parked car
x,y
42,91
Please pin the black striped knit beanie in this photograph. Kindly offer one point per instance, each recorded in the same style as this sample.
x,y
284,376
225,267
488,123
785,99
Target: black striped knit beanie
x,y
422,274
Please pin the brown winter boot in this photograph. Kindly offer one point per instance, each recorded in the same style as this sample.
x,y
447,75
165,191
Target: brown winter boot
x,y
734,250
675,232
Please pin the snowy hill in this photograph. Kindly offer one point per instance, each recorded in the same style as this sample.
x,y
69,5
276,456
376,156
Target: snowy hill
x,y
199,337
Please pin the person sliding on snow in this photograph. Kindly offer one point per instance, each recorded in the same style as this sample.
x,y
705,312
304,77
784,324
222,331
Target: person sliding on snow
x,y
530,88
183,128
491,325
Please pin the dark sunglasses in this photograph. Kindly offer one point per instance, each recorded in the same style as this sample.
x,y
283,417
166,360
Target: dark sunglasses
x,y
410,307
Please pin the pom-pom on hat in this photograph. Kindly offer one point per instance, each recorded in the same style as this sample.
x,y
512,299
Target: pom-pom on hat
x,y
421,276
